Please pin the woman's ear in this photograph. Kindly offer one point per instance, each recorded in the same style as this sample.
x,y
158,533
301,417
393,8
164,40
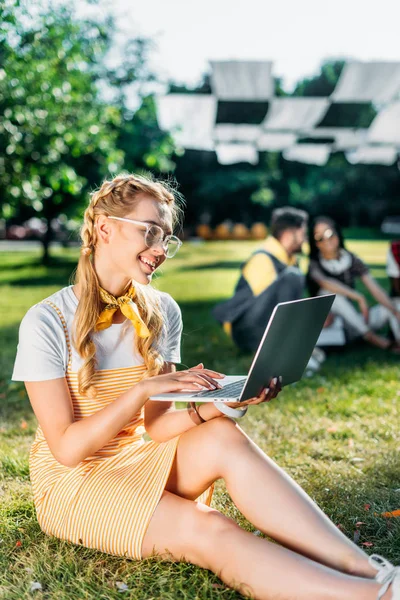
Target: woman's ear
x,y
103,228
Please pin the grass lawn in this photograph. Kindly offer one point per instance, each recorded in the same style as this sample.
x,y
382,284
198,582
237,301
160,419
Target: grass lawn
x,y
337,434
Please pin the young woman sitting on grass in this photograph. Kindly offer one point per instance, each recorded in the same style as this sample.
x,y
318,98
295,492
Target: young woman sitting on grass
x,y
333,269
91,355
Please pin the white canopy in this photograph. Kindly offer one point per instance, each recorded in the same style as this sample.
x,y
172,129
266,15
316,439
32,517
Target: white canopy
x,y
344,138
368,82
190,119
274,142
385,128
293,114
244,90
224,132
381,155
229,154
312,154
242,80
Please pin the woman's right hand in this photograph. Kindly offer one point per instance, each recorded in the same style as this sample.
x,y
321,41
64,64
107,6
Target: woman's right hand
x,y
362,303
329,320
195,379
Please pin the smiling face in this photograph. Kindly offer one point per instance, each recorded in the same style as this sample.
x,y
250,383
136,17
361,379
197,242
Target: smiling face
x,y
326,240
124,242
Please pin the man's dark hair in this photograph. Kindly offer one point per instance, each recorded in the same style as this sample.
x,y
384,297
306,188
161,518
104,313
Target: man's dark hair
x,y
285,218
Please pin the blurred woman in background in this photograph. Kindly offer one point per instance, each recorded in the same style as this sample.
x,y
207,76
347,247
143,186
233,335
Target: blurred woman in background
x,y
333,269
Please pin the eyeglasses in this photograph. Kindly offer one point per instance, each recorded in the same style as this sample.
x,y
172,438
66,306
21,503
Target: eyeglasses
x,y
154,236
327,235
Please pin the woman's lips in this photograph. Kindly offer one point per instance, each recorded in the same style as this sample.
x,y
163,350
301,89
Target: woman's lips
x,y
148,267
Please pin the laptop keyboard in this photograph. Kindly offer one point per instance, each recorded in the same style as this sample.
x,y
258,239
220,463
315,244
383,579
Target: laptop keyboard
x,y
232,390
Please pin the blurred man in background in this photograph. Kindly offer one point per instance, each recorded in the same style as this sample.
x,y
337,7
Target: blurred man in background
x,y
270,275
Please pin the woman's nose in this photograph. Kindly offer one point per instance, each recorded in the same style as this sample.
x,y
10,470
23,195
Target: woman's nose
x,y
158,249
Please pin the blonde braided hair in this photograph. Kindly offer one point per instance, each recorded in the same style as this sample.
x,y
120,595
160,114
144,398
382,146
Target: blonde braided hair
x,y
116,198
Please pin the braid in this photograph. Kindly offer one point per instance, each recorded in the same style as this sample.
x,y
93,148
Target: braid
x,y
86,317
116,198
88,231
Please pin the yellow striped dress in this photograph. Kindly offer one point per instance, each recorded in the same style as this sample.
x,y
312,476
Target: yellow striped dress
x,y
107,500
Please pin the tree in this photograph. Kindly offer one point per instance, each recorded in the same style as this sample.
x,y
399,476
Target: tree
x,y
144,145
54,129
323,83
58,135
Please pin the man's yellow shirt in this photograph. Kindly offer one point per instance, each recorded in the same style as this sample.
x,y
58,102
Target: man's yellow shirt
x,y
260,272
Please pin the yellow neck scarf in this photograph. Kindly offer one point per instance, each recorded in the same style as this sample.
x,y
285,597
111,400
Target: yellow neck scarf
x,y
128,308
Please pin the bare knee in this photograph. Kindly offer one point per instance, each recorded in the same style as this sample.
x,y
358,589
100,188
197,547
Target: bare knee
x,y
185,530
224,429
215,443
210,530
224,436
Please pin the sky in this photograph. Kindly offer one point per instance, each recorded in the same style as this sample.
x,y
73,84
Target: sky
x,y
297,35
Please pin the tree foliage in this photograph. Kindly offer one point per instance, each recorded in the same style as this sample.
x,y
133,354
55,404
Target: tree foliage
x,y
58,136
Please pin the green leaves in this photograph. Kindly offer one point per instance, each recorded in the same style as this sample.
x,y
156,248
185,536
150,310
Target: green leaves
x,y
264,196
58,136
52,114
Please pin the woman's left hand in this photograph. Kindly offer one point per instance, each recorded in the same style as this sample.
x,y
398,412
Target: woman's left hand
x,y
266,395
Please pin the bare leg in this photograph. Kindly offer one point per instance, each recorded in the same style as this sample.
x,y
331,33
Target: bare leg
x,y
342,306
377,340
184,530
379,316
263,492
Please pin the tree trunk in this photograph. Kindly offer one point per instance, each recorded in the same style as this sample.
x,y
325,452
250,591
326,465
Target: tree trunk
x,y
46,244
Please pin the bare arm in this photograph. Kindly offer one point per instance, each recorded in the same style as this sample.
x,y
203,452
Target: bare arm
x,y
334,286
378,292
72,441
164,422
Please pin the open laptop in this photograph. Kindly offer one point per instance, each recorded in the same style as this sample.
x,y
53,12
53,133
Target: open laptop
x,y
284,351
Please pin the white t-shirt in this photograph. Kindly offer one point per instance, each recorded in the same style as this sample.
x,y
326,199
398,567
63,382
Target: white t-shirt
x,y
42,351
